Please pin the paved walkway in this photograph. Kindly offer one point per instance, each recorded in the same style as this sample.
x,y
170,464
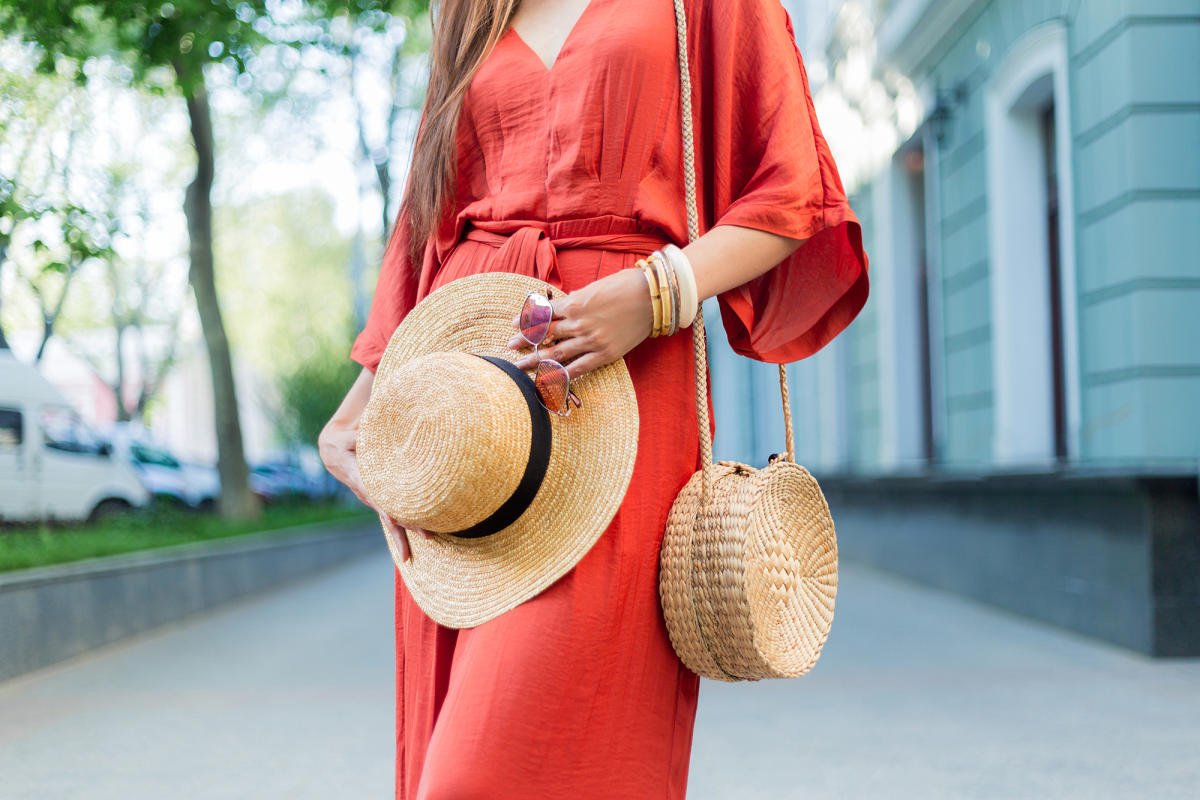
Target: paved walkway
x,y
918,695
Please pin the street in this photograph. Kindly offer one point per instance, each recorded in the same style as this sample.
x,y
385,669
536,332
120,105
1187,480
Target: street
x,y
918,694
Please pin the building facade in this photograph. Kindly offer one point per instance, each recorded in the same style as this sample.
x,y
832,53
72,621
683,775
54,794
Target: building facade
x,y
1015,414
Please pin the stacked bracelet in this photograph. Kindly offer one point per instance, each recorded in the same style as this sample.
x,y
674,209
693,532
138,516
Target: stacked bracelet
x,y
655,296
673,295
689,299
670,309
673,285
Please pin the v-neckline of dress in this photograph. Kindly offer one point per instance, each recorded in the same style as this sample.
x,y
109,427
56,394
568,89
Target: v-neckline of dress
x,y
562,48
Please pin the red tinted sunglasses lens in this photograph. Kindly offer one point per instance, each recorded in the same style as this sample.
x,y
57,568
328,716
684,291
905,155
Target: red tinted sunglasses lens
x,y
554,387
535,318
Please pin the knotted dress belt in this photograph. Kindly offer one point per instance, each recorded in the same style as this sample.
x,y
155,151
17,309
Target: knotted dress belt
x,y
532,248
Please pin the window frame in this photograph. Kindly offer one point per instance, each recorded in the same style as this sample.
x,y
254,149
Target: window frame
x,y
1023,407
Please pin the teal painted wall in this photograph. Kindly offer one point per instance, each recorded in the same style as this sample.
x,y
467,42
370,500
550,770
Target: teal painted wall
x,y
1134,101
1134,108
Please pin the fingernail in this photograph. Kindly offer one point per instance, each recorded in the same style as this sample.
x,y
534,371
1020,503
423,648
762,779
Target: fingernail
x,y
514,341
524,363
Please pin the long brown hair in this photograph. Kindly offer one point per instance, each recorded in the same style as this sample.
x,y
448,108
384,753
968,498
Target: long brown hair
x,y
464,32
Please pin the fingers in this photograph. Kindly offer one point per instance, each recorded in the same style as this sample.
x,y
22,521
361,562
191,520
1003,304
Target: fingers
x,y
557,304
561,352
353,479
400,533
397,534
573,353
345,469
339,456
565,340
558,329
585,363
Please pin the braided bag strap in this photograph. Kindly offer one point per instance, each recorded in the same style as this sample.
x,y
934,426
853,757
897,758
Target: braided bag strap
x,y
699,345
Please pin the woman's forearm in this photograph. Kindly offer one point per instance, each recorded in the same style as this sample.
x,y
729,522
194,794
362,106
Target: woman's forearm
x,y
727,256
338,447
602,321
355,400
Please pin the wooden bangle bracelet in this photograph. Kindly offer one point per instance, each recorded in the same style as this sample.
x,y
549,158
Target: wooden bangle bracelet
x,y
670,315
655,302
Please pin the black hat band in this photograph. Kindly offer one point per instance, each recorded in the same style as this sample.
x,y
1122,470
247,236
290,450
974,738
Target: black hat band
x,y
535,466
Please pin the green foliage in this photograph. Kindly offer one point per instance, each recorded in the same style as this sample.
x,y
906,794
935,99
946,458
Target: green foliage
x,y
303,343
185,34
24,547
288,305
313,390
69,169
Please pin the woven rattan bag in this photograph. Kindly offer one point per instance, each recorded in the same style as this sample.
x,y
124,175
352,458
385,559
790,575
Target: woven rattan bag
x,y
748,566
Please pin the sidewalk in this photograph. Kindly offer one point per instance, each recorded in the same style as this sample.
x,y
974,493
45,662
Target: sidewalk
x,y
285,695
919,694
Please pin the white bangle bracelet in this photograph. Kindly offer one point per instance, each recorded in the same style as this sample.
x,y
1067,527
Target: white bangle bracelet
x,y
689,300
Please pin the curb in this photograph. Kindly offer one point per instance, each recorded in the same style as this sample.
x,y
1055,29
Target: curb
x,y
51,613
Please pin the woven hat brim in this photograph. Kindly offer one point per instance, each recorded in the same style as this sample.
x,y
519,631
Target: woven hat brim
x,y
462,583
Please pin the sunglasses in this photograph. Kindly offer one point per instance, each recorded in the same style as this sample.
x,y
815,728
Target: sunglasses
x,y
550,377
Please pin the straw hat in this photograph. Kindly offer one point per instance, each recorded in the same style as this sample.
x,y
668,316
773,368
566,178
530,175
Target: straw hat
x,y
453,438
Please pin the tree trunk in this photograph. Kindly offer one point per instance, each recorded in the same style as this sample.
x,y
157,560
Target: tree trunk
x,y
118,320
119,389
236,499
3,256
50,316
47,332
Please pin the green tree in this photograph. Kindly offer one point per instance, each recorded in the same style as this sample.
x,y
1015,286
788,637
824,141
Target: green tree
x,y
180,38
294,265
49,228
140,301
77,248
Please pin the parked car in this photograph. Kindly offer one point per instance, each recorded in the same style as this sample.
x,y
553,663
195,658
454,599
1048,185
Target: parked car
x,y
272,480
52,465
205,482
161,472
281,478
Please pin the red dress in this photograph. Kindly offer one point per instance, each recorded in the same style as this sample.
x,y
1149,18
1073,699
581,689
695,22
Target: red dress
x,y
571,173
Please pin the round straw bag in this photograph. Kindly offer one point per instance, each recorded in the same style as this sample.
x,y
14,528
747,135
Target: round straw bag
x,y
748,566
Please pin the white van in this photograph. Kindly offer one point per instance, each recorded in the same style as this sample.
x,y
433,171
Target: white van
x,y
51,464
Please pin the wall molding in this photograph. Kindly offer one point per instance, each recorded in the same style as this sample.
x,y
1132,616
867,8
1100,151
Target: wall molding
x,y
913,30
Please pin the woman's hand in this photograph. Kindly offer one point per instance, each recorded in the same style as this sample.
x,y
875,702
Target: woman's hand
x,y
596,324
337,446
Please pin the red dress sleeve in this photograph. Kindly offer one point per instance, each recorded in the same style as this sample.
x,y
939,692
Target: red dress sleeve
x,y
395,295
763,163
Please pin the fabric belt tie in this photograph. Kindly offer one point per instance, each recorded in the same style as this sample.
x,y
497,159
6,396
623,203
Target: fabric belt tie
x,y
531,250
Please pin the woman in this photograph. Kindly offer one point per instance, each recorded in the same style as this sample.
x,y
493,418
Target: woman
x,y
559,121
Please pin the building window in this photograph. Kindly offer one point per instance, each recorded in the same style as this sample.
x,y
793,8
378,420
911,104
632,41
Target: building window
x,y
1031,252
10,428
1054,262
906,401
